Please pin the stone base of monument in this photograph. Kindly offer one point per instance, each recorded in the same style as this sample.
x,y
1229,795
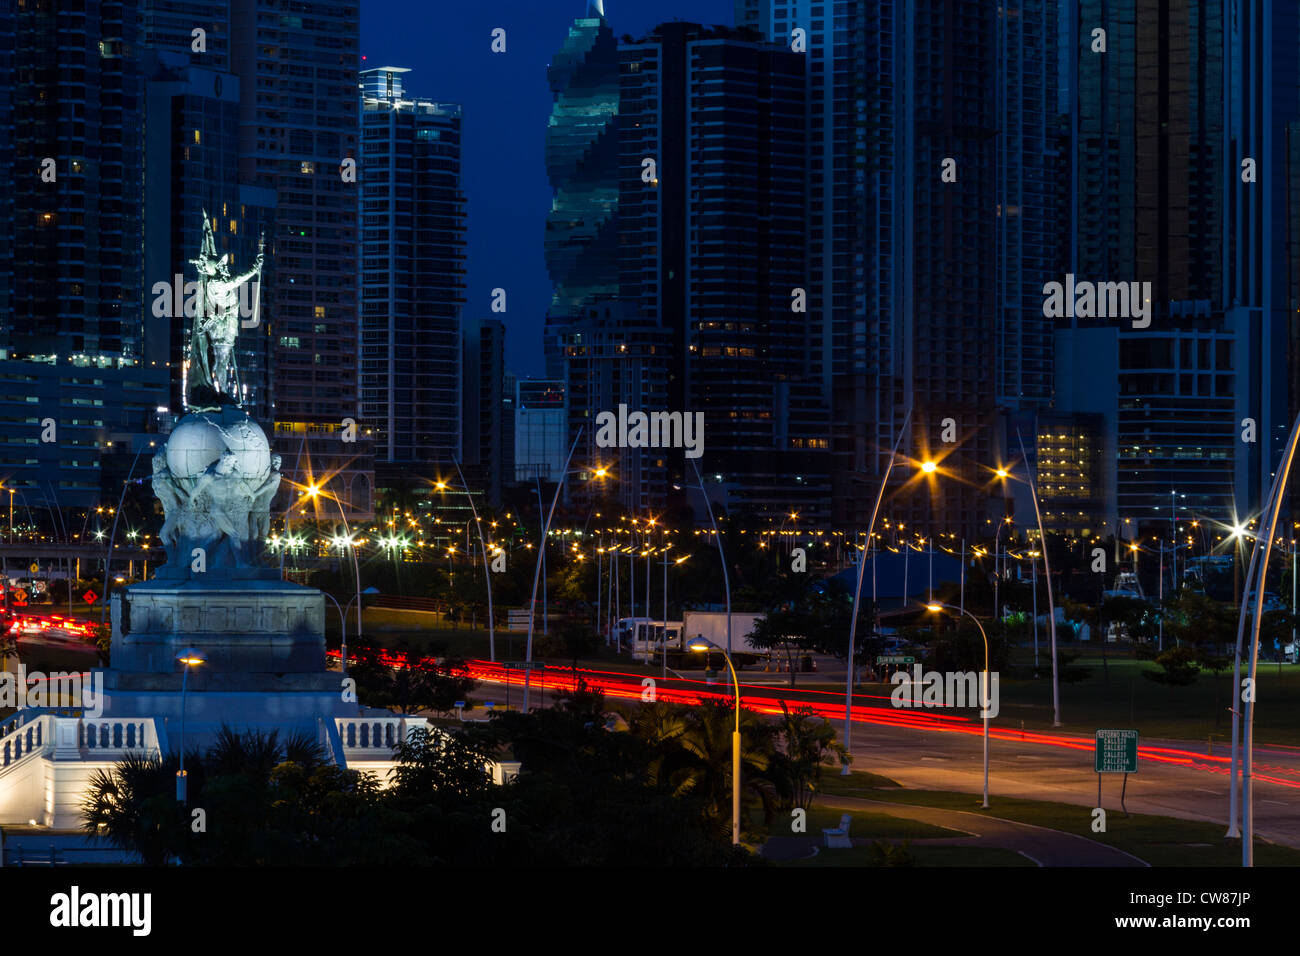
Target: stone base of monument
x,y
243,628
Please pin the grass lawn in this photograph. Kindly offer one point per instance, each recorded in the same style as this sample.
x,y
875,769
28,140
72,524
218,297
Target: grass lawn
x,y
858,783
1160,841
876,826
925,856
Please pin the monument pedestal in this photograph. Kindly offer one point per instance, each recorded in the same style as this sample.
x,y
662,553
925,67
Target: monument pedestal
x,y
244,626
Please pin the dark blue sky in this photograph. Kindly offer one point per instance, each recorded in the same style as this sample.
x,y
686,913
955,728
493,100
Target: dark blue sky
x,y
447,46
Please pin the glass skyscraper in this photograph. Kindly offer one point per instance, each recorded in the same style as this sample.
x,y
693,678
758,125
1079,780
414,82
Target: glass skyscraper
x,y
582,163
412,278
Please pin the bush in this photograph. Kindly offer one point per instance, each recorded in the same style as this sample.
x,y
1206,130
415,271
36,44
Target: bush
x,y
886,854
1180,667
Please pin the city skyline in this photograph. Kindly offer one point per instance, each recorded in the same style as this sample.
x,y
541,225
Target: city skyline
x,y
506,103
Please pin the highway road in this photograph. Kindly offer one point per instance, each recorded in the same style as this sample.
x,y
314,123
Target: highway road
x,y
930,750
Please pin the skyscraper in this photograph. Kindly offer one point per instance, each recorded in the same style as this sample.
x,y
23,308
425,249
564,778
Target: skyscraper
x,y
1168,117
77,99
73,376
412,278
932,131
582,164
488,406
299,131
712,233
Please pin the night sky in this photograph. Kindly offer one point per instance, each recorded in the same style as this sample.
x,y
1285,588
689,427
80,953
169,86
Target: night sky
x,y
447,46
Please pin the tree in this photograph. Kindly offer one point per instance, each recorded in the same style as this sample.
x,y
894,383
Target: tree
x,y
132,805
572,636
1195,619
452,765
103,636
1135,618
701,759
808,616
417,682
806,742
1179,667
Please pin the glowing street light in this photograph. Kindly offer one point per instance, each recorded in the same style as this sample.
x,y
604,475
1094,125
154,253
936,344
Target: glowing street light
x,y
702,643
189,658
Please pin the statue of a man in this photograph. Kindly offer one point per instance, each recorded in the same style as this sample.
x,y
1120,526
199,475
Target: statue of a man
x,y
216,325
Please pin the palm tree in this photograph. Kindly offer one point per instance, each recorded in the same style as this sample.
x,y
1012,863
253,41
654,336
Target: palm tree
x,y
131,805
700,763
807,741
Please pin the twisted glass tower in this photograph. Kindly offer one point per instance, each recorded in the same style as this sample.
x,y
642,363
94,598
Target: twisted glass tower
x,y
582,164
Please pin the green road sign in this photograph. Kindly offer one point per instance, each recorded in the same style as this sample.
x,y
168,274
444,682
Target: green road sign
x,y
1117,751
895,660
524,665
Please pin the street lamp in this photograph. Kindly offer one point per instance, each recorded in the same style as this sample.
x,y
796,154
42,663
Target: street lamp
x,y
189,658
314,492
726,576
984,703
1268,525
108,557
343,621
1047,574
857,596
537,569
702,643
487,572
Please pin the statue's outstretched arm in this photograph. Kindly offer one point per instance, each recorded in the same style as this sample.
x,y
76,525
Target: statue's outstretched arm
x,y
245,276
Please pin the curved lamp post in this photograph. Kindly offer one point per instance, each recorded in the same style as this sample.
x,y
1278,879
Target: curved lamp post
x,y
189,658
487,573
984,701
314,492
343,621
108,557
857,597
1047,574
702,643
726,577
537,570
1268,527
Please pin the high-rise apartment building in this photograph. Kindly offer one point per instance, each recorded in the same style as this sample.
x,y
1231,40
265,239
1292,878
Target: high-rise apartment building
x,y
412,279
299,135
712,237
76,381
1169,188
933,136
488,406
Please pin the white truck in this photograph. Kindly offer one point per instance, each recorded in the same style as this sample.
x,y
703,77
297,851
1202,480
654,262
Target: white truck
x,y
713,625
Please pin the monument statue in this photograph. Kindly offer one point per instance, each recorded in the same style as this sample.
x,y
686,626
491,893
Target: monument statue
x,y
215,476
213,379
